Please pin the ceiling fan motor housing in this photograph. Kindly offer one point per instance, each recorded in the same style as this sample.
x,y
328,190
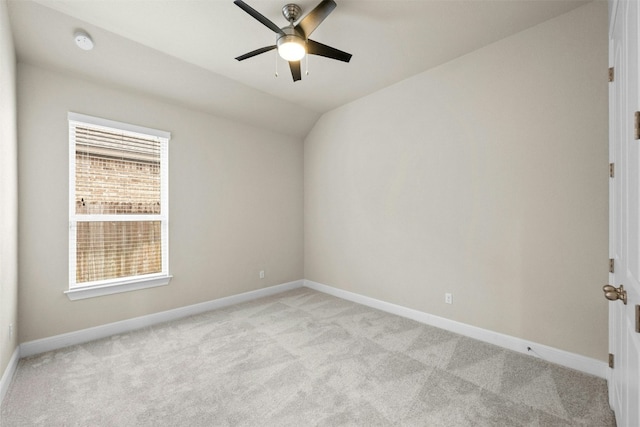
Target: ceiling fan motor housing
x,y
290,34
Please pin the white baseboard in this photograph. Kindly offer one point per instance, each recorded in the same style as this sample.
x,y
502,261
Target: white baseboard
x,y
550,354
9,372
31,348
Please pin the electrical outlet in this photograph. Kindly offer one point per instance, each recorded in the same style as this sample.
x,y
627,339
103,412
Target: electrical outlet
x,y
10,330
448,298
262,274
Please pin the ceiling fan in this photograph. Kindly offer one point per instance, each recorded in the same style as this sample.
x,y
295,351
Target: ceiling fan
x,y
293,41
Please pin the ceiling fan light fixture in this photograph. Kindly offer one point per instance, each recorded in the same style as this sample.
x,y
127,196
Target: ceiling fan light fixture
x,y
292,41
291,48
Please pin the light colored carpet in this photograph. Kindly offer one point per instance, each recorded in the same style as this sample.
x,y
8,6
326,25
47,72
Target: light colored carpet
x,y
299,358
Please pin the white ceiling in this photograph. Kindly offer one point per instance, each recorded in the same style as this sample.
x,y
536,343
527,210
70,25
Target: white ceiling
x,y
184,50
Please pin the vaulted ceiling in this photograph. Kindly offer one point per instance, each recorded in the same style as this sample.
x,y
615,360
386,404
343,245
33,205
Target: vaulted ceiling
x,y
183,50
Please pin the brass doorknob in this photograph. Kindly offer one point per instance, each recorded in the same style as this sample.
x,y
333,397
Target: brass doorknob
x,y
612,294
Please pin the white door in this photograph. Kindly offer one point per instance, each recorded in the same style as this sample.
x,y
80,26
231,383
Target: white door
x,y
624,341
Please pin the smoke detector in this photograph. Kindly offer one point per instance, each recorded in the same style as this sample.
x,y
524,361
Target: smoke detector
x,y
83,40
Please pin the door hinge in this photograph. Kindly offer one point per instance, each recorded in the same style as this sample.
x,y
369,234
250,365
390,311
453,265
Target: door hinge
x,y
611,360
637,125
638,318
612,170
611,74
611,265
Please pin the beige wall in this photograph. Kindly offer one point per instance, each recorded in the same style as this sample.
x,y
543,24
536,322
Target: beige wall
x,y
235,204
485,177
8,193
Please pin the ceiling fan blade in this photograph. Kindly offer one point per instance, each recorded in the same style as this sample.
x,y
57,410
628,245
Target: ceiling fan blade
x,y
258,16
310,22
255,52
295,70
315,48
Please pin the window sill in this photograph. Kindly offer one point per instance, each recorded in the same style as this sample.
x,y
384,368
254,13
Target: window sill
x,y
117,287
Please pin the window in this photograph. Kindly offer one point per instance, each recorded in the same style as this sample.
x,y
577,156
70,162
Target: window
x,y
118,207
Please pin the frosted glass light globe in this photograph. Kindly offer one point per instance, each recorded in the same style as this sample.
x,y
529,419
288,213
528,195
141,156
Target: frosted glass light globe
x,y
291,48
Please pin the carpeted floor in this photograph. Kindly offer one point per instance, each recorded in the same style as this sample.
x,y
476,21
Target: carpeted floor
x,y
299,358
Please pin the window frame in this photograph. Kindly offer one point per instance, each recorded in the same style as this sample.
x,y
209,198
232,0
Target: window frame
x,y
129,283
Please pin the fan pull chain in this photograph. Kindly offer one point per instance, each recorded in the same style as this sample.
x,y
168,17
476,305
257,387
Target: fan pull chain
x,y
276,62
306,60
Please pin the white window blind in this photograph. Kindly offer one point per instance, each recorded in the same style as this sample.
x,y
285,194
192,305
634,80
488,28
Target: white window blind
x,y
118,208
